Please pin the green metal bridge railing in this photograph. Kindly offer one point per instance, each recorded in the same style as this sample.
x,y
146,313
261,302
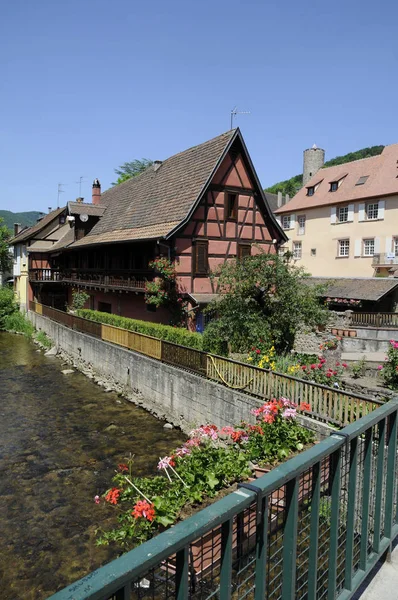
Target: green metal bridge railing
x,y
310,529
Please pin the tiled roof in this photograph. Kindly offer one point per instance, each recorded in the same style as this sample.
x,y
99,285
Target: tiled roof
x,y
272,200
205,298
64,242
356,288
80,208
125,235
382,180
155,199
37,227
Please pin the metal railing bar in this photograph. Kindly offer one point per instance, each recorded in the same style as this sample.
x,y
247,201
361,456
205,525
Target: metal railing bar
x,y
367,473
314,531
379,484
334,522
226,560
351,505
290,540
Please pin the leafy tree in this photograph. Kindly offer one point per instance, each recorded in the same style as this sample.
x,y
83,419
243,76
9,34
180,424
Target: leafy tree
x,y
8,306
263,297
131,169
5,258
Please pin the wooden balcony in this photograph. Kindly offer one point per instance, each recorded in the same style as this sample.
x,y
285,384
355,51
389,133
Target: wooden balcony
x,y
384,259
122,280
44,275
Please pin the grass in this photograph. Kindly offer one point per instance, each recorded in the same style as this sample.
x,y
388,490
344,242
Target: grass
x,y
43,339
17,322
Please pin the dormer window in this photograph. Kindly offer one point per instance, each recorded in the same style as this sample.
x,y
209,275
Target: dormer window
x,y
334,186
311,190
362,180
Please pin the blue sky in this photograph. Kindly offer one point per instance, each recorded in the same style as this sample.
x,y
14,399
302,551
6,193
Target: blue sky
x,y
89,84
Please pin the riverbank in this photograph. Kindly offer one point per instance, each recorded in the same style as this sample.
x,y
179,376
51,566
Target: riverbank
x,y
61,437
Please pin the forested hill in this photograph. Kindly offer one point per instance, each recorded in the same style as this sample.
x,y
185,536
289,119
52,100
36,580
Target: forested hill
x,y
291,186
25,218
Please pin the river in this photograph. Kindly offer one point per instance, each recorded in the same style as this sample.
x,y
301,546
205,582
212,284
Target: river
x,y
61,438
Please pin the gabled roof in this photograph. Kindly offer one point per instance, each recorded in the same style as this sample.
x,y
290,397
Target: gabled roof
x,y
355,288
157,202
81,208
30,232
382,180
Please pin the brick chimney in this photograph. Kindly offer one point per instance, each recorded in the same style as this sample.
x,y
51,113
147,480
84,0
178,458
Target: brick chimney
x,y
96,193
17,228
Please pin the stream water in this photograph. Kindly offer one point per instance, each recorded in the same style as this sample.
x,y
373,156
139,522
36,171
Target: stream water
x,y
61,438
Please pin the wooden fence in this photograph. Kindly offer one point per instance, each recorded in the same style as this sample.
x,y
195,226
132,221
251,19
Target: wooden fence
x,y
327,404
362,319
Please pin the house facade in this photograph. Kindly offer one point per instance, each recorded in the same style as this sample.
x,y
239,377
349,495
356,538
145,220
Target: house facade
x,y
344,221
198,208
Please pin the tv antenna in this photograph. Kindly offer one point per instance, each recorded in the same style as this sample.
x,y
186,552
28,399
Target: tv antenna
x,y
60,191
81,178
235,112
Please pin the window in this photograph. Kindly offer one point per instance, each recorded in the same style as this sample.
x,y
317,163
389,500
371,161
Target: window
x,y
362,180
282,251
368,247
334,186
311,190
396,246
105,307
62,220
372,211
244,250
296,250
286,222
342,214
231,206
344,247
313,251
301,225
201,251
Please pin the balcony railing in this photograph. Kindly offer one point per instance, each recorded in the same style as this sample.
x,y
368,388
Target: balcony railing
x,y
385,258
44,275
128,280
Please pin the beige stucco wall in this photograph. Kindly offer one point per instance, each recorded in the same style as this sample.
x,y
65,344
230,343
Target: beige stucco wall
x,y
323,236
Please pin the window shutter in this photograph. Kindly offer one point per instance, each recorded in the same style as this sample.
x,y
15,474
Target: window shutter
x,y
357,248
333,215
201,258
292,221
388,247
381,209
361,212
350,212
377,245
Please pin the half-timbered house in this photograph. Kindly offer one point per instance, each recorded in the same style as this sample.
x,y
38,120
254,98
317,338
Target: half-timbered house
x,y
199,208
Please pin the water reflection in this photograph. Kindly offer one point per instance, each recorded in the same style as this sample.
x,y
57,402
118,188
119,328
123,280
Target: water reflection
x,y
60,439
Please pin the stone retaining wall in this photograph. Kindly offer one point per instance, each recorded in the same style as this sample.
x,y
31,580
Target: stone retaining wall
x,y
180,397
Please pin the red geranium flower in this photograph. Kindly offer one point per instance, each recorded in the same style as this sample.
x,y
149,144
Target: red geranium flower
x,y
123,468
304,406
144,509
113,495
304,367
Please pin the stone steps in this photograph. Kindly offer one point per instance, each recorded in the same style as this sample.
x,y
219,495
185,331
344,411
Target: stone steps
x,y
372,358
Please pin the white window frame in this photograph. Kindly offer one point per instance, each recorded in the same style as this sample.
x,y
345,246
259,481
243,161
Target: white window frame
x,y
345,211
297,250
344,248
368,247
372,211
301,224
286,221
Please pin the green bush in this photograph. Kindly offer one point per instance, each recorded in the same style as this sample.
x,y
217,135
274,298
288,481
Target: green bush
x,y
16,321
8,306
176,335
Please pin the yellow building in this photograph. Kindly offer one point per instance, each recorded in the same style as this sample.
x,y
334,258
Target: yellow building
x,y
344,221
